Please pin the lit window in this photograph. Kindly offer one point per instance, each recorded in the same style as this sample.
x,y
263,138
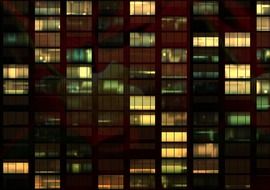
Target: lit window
x,y
237,87
82,72
173,166
205,166
78,55
47,7
142,102
173,86
174,137
237,71
111,87
47,182
263,23
12,39
143,119
238,118
15,167
237,39
263,8
263,55
173,55
174,151
142,8
47,55
16,86
173,118
205,8
263,86
209,150
142,166
142,39
79,7
174,23
110,182
15,71
205,41
47,24
262,103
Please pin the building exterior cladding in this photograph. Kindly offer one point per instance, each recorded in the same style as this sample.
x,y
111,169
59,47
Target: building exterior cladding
x,y
143,94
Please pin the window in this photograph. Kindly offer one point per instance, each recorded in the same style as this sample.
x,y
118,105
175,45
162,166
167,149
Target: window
x,y
174,23
47,7
47,182
143,119
263,23
47,23
47,55
173,118
79,7
15,86
173,166
205,166
173,55
142,166
142,8
263,103
142,39
263,87
15,39
15,71
237,71
142,102
208,150
110,182
15,167
203,40
263,8
238,118
173,150
237,87
81,72
78,55
174,137
205,8
237,39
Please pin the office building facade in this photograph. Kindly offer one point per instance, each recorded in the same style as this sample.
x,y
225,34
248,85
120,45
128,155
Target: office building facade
x,y
149,94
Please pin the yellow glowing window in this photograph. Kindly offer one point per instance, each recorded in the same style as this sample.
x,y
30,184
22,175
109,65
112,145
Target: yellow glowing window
x,y
205,41
263,87
142,7
79,72
47,24
143,119
174,136
237,87
205,150
263,23
47,182
142,103
237,71
79,7
15,71
263,8
173,151
237,39
15,86
173,166
15,167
